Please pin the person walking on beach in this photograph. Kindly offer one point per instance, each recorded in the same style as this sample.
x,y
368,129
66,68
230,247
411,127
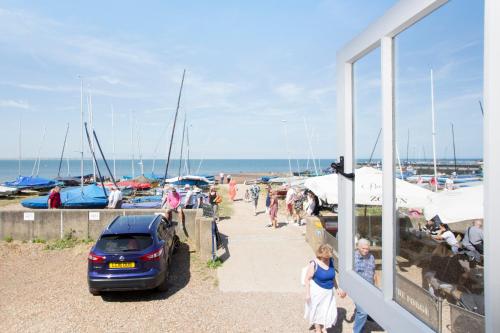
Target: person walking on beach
x,y
289,201
228,178
320,282
273,211
364,265
173,202
255,192
189,198
232,189
54,198
221,178
214,199
311,204
268,198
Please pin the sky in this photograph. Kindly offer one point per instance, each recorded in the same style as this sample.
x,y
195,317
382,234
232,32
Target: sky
x,y
260,75
450,42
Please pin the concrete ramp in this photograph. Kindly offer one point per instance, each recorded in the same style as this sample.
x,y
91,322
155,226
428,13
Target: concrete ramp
x,y
261,259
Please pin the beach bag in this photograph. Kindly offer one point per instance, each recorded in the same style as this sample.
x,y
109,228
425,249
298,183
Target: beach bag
x,y
303,273
218,199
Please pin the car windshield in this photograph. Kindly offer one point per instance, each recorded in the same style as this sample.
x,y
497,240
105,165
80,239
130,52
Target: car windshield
x,y
124,242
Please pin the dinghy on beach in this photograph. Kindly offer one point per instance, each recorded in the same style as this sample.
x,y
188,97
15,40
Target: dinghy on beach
x,y
189,180
91,196
8,191
31,183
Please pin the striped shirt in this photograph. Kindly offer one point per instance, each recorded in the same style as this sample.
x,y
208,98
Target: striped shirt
x,y
365,266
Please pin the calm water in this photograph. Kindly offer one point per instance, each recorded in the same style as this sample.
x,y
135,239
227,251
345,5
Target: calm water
x,y
49,168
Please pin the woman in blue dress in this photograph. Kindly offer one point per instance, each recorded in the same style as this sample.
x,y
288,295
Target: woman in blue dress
x,y
320,281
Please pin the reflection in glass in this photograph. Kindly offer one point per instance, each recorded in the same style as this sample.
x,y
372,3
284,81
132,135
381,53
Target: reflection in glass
x,y
367,160
438,180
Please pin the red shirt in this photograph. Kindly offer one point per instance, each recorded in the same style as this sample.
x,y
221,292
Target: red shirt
x,y
55,199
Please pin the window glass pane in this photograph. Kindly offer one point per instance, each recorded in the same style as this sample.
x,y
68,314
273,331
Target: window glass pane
x,y
124,243
367,130
438,180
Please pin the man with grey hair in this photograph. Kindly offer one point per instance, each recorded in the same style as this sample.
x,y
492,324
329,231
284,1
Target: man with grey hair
x,y
473,240
364,265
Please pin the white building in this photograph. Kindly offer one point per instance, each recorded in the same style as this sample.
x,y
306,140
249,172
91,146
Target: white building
x,y
399,304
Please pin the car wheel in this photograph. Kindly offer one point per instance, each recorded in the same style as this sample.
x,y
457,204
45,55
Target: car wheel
x,y
176,244
164,285
94,292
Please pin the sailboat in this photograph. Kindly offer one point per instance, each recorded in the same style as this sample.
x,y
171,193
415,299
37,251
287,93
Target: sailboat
x,y
90,196
66,181
24,183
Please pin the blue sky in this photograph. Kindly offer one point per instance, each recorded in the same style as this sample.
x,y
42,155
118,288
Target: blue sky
x,y
250,65
450,42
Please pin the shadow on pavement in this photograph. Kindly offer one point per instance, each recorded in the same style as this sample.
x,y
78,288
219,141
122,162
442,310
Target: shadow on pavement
x,y
225,245
370,326
178,278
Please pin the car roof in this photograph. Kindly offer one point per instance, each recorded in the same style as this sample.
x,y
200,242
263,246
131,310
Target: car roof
x,y
132,224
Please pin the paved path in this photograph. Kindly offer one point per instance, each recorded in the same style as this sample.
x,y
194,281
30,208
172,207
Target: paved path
x,y
266,260
261,259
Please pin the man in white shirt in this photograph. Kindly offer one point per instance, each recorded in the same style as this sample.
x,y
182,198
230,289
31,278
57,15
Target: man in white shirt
x,y
190,197
115,198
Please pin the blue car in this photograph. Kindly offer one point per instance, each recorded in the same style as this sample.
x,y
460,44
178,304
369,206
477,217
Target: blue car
x,y
132,253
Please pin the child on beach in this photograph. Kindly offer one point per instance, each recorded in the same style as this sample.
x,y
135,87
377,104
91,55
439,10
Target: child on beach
x,y
273,211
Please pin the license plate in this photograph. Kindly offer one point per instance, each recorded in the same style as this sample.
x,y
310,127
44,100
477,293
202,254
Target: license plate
x,y
122,265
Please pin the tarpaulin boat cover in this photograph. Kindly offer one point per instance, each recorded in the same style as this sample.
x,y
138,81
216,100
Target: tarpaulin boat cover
x,y
143,179
149,198
151,204
92,197
30,182
188,180
135,185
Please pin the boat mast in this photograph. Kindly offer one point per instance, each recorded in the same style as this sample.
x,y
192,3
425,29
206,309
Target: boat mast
x,y
407,146
375,146
310,146
173,127
454,151
132,143
91,123
139,150
113,138
182,143
433,131
188,163
36,166
62,152
20,143
81,117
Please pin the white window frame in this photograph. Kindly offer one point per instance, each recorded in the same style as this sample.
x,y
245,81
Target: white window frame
x,y
380,303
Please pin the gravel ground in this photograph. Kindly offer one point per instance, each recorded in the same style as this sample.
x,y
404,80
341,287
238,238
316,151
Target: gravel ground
x,y
42,291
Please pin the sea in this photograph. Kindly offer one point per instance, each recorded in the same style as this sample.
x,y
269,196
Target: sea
x,y
50,168
9,169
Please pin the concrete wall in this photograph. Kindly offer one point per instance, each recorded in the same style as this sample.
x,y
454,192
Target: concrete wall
x,y
82,223
316,234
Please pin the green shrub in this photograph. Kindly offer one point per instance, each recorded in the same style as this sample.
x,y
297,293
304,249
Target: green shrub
x,y
8,239
214,264
39,241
